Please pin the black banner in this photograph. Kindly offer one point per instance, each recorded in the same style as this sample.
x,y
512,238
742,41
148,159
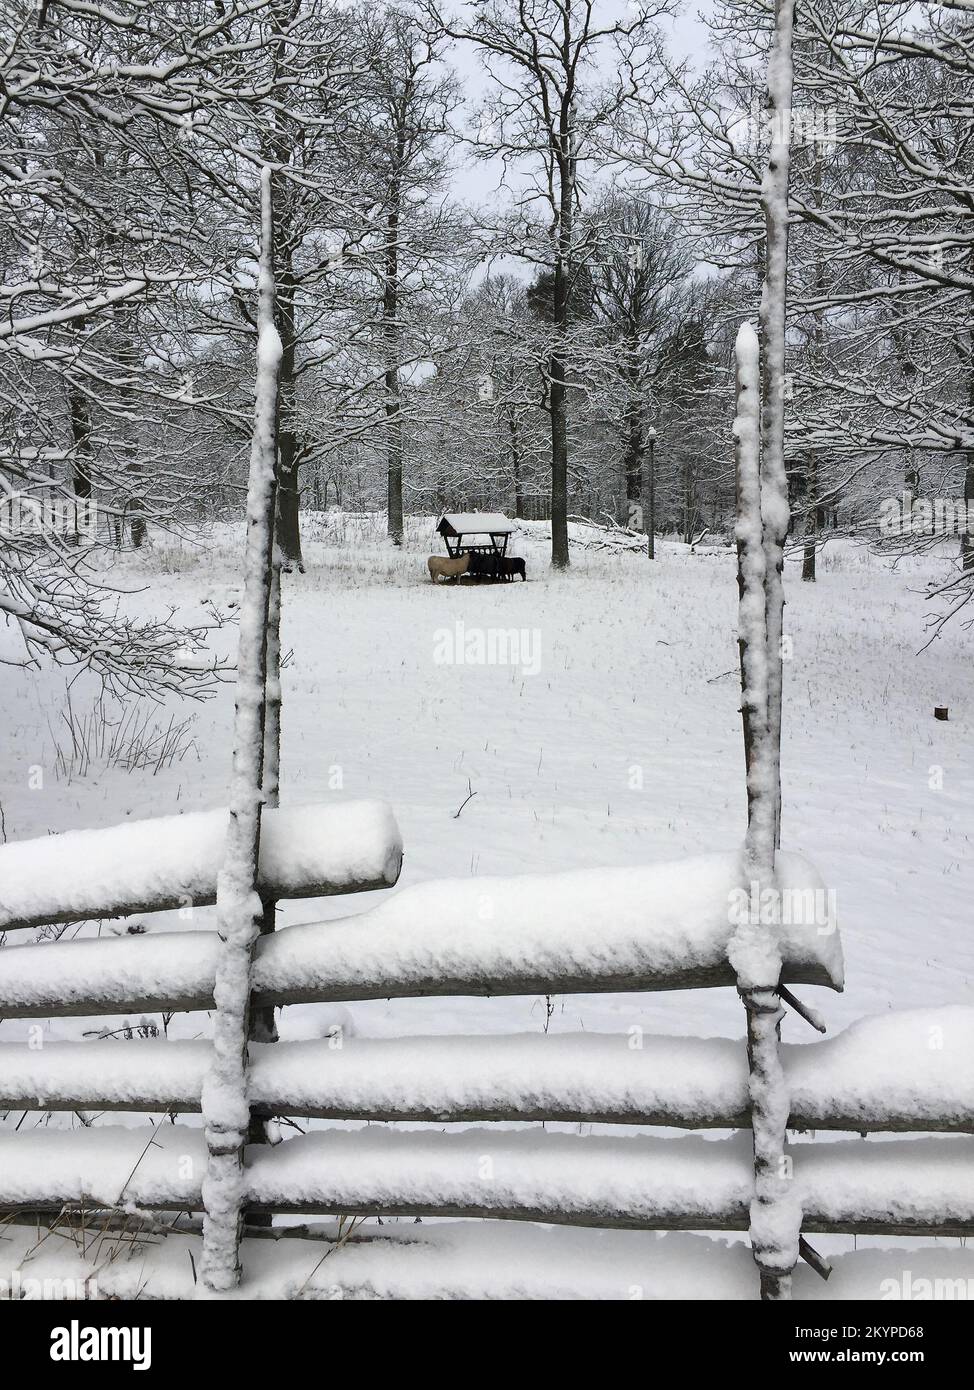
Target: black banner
x,y
64,1340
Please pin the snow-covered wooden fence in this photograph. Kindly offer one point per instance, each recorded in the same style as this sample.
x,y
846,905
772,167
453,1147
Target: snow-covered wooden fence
x,y
655,928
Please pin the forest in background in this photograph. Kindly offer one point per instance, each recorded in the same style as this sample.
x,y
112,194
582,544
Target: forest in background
x,y
557,347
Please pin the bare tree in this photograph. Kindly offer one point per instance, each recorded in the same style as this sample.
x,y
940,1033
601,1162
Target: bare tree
x,y
549,100
405,159
101,237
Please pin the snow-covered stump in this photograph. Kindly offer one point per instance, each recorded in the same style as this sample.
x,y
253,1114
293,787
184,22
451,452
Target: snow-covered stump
x,y
754,951
240,911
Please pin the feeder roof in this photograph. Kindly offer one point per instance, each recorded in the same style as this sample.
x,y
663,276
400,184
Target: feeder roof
x,y
475,523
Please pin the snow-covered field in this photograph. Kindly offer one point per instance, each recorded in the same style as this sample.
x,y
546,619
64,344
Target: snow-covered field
x,y
613,739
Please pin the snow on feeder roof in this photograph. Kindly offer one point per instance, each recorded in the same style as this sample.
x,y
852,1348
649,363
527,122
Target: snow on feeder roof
x,y
475,524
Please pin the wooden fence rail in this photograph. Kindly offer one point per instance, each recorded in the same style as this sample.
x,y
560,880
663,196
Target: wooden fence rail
x,y
903,1187
659,927
879,1075
173,862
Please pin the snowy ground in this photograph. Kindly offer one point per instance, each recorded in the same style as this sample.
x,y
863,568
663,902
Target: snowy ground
x,y
615,741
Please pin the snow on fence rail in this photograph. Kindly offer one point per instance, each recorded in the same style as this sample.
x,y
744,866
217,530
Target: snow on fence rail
x,y
663,926
173,861
904,1187
881,1074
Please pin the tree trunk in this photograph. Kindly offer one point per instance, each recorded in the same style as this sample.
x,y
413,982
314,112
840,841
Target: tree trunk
x,y
812,521
289,451
557,367
516,465
634,441
814,517
632,463
559,462
689,499
130,446
967,539
394,478
393,400
651,500
137,527
809,551
81,435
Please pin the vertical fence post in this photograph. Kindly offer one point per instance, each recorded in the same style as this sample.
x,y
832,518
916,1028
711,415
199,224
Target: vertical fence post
x,y
763,515
263,1028
240,912
754,952
751,560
